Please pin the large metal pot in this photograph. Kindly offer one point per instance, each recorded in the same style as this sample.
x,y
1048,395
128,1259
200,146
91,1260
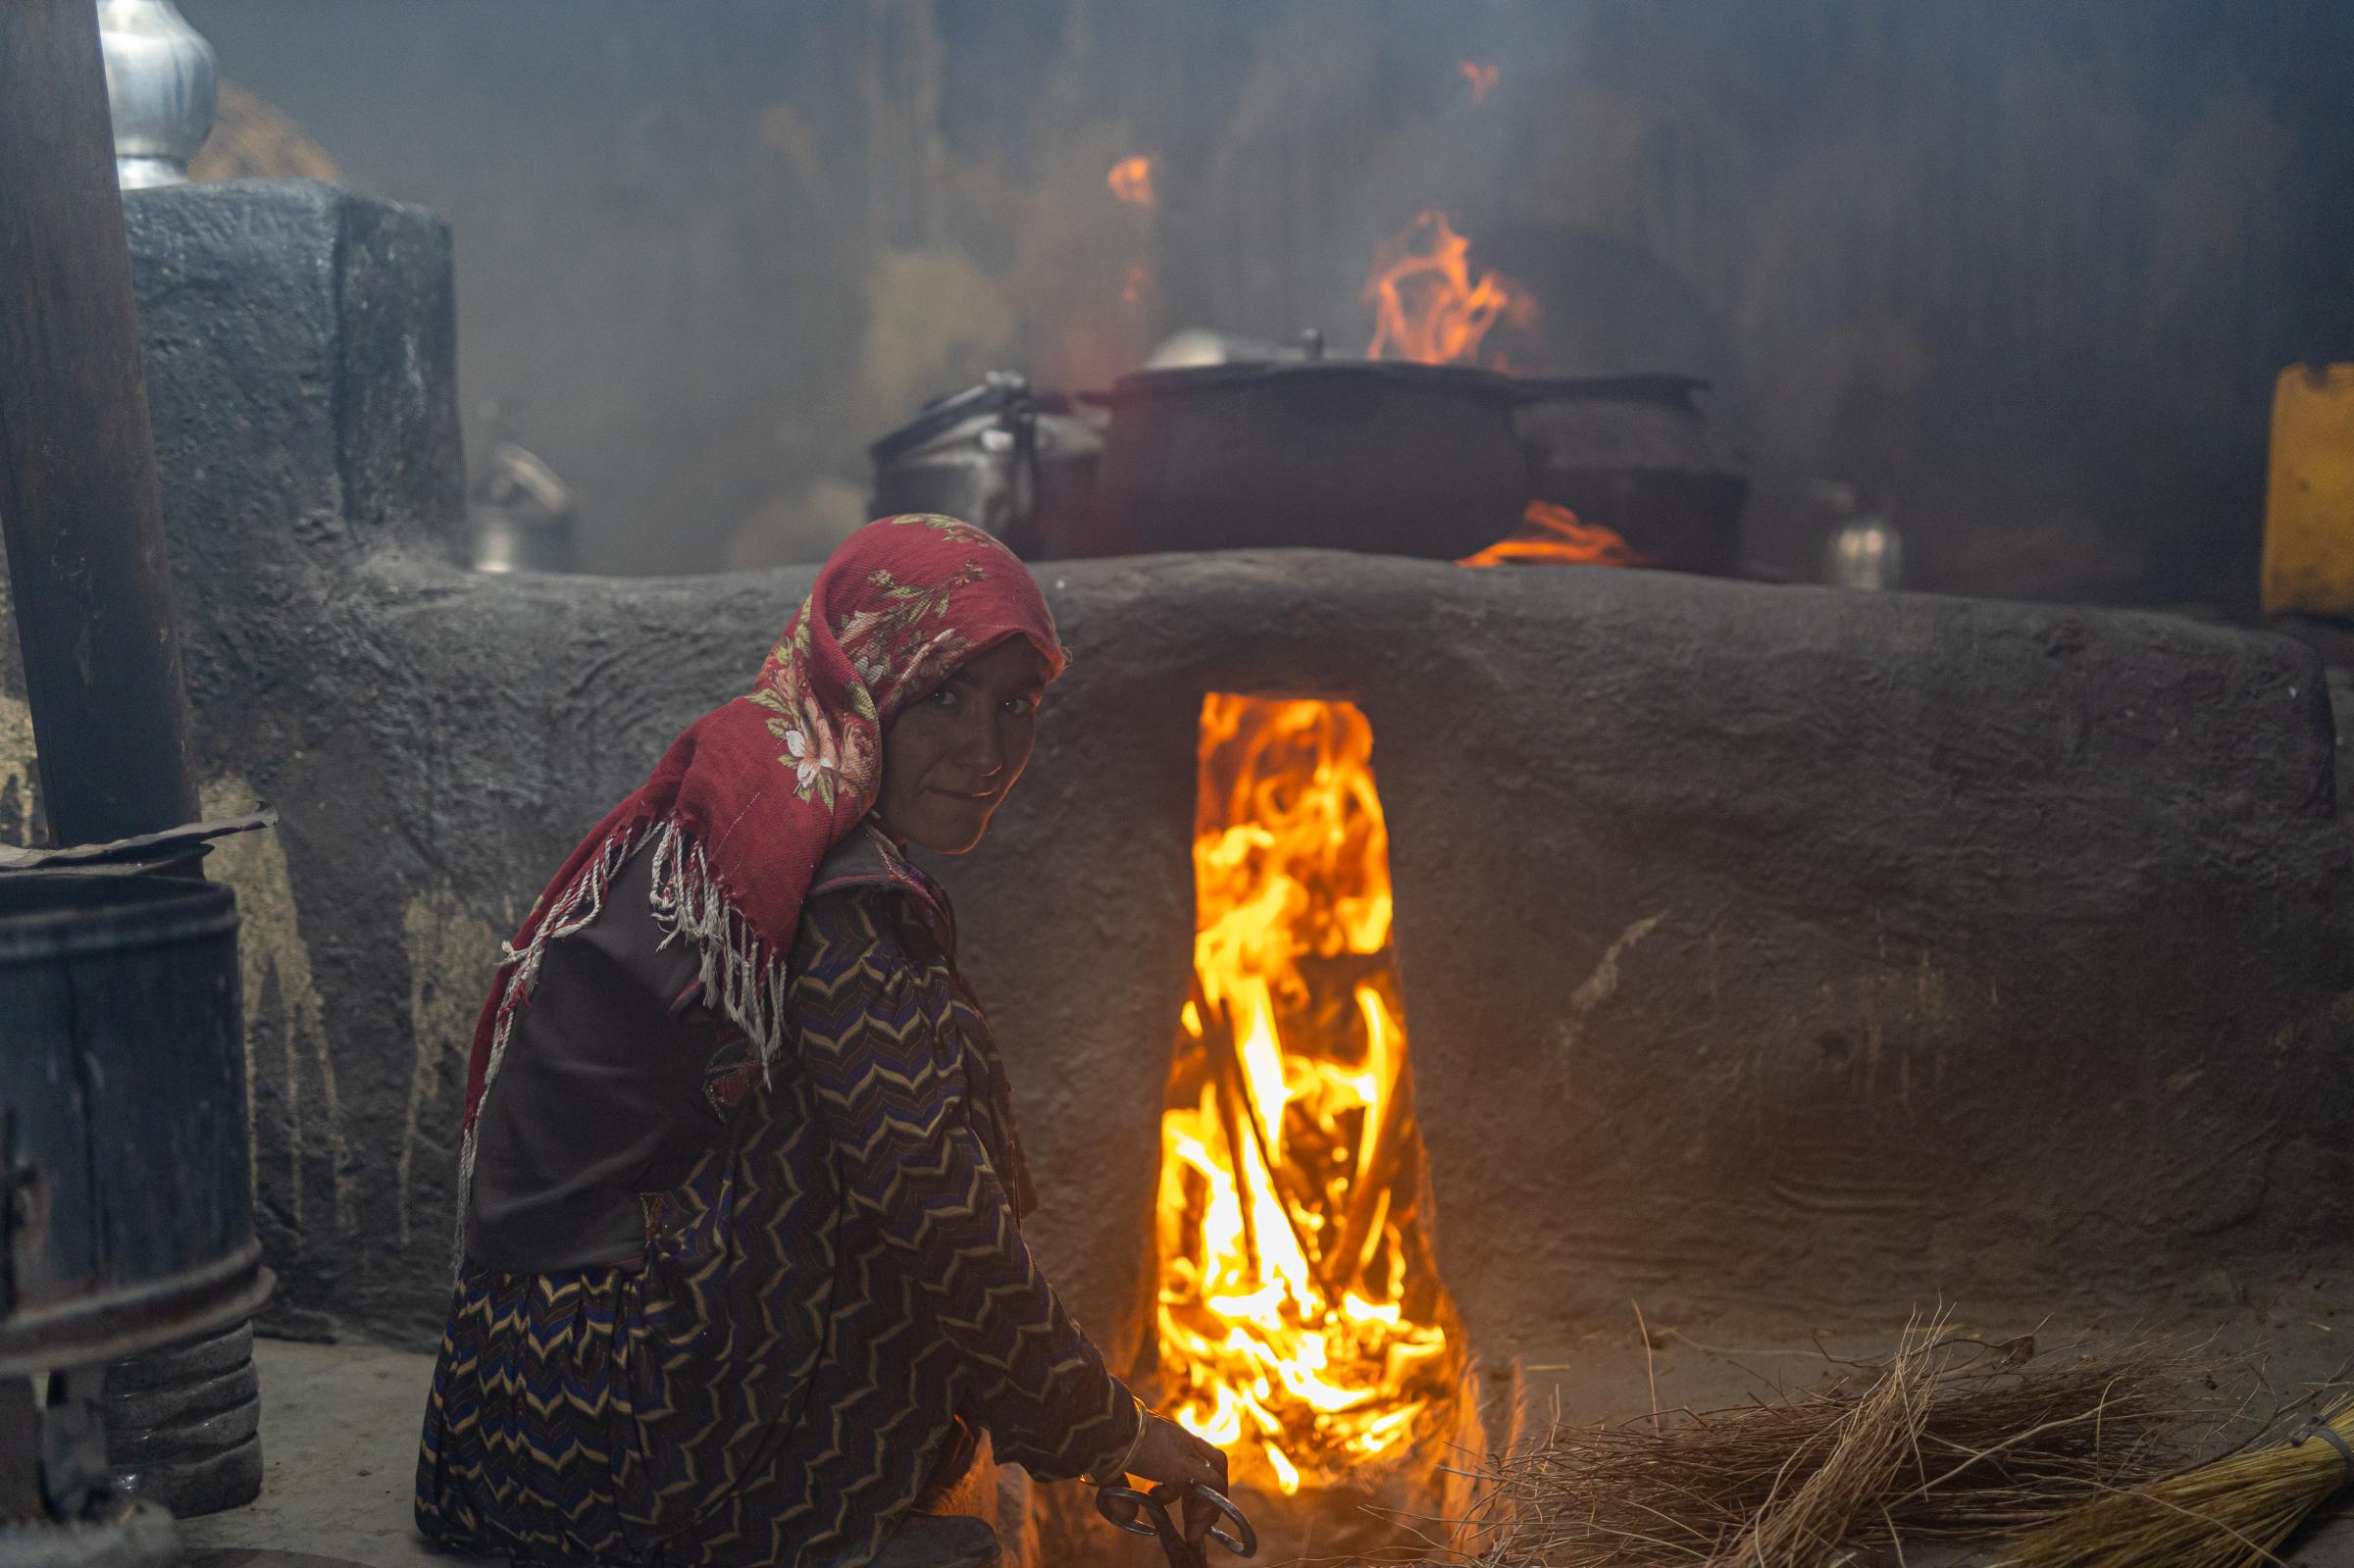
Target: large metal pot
x,y
1342,454
1633,454
128,1223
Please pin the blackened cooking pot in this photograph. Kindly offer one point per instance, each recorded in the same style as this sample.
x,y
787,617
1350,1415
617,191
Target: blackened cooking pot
x,y
1353,455
1635,455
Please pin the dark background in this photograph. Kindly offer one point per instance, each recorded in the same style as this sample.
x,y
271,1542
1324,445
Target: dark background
x,y
2023,268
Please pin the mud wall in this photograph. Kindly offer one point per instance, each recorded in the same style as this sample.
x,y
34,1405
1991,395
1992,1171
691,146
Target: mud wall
x,y
1762,948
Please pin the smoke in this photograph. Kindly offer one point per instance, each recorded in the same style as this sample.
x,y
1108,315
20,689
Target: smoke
x,y
2023,272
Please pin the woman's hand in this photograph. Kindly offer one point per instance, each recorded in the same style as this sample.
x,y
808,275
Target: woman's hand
x,y
1167,1452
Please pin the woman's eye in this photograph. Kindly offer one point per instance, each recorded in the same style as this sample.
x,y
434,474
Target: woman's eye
x,y
943,698
1021,707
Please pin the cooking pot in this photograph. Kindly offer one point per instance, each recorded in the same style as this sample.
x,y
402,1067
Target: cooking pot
x,y
1016,462
1397,459
1633,454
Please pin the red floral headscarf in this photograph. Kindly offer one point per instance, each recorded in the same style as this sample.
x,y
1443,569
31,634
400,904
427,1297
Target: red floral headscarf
x,y
746,802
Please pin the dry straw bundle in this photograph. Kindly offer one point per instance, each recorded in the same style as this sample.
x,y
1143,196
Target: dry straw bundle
x,y
1952,1438
2232,1513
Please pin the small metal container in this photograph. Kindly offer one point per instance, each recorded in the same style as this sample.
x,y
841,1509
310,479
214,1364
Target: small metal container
x,y
512,541
521,517
1866,554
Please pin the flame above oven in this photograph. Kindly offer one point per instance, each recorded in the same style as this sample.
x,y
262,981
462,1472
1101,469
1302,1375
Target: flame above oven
x,y
1552,535
1131,181
1300,1313
1428,308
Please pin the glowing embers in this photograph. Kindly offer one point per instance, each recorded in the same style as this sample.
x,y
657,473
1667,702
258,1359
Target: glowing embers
x,y
1302,1323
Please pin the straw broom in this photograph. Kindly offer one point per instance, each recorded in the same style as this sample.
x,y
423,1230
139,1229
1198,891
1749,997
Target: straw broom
x,y
2232,1513
1951,1442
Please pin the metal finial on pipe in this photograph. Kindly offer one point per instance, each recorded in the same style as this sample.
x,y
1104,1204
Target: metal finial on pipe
x,y
161,86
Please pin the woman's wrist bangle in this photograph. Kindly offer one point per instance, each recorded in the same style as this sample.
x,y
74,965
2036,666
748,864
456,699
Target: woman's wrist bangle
x,y
1112,1472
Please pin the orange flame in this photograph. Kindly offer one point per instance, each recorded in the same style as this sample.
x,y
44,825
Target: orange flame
x,y
1131,181
1552,535
1138,288
1482,78
1299,1314
1427,307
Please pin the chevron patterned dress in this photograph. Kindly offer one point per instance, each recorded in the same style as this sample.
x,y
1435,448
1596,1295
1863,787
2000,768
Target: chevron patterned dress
x,y
825,1309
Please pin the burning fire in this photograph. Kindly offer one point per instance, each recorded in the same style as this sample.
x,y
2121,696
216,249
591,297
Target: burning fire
x,y
1300,1312
1482,78
1428,308
1552,535
1131,181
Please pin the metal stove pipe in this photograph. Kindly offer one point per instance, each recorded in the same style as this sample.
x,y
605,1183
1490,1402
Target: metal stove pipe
x,y
80,507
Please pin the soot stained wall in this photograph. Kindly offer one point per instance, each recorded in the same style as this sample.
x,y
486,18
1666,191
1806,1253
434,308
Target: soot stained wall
x,y
1810,952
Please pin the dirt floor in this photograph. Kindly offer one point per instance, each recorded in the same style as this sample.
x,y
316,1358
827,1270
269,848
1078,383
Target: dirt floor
x,y
340,1422
339,1425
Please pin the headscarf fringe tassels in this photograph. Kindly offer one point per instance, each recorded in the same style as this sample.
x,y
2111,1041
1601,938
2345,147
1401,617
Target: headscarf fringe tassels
x,y
573,909
743,980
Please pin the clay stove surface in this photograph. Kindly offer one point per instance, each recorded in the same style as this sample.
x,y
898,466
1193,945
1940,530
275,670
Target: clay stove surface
x,y
340,1422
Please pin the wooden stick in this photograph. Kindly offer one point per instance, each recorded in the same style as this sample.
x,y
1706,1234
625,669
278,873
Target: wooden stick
x,y
80,505
1226,1056
1341,1265
1217,1044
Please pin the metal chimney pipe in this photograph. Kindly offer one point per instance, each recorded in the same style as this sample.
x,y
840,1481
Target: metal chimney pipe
x,y
80,508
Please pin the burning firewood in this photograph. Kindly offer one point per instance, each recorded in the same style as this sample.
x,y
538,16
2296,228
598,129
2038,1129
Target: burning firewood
x,y
1302,1324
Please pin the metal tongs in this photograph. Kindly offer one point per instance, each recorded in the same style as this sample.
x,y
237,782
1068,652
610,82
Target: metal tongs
x,y
1149,1513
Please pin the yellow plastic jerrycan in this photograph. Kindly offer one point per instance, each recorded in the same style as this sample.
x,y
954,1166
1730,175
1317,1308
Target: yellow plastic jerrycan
x,y
2309,498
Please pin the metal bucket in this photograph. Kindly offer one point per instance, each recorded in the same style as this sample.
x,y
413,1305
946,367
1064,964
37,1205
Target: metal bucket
x,y
128,1224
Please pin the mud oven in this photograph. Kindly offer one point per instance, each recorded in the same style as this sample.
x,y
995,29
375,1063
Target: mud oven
x,y
1766,953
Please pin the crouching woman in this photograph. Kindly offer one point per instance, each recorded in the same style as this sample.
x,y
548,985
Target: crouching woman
x,y
742,1277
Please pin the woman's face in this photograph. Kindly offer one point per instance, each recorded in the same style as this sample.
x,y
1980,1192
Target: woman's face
x,y
948,759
